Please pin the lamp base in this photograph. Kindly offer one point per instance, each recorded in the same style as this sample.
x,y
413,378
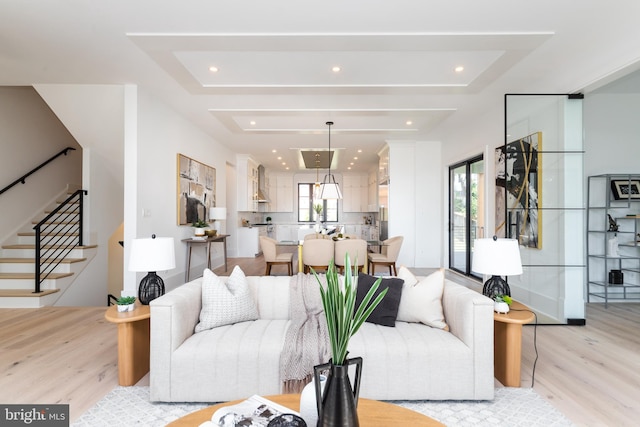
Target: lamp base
x,y
495,286
151,287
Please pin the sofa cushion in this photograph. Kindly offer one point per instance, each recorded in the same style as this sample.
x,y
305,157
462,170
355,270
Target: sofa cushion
x,y
386,312
422,299
225,303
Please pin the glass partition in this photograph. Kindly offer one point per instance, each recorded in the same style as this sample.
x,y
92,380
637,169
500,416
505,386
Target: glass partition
x,y
540,202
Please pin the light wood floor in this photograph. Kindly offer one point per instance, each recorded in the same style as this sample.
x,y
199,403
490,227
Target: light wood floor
x,y
69,355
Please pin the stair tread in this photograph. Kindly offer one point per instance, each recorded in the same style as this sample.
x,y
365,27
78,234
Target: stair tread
x,y
26,292
31,246
32,276
32,260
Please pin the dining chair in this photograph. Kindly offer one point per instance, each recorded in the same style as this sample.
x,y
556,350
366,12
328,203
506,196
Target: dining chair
x,y
388,256
272,257
317,253
355,248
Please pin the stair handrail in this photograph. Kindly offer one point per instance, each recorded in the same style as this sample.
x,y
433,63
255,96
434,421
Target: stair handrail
x,y
24,177
57,241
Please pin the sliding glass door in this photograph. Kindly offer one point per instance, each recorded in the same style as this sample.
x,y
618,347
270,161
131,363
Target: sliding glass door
x,y
466,219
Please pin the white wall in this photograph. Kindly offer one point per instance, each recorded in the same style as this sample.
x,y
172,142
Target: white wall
x,y
161,135
93,114
29,135
415,202
612,133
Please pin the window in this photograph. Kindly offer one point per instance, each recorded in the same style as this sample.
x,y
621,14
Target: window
x,y
306,203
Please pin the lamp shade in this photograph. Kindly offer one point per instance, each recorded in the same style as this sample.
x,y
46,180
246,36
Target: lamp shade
x,y
496,257
329,189
153,254
218,213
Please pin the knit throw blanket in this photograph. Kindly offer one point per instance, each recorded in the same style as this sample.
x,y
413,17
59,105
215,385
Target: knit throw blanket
x,y
306,342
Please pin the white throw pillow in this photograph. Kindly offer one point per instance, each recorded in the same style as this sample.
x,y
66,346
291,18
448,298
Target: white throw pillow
x,y
225,303
421,301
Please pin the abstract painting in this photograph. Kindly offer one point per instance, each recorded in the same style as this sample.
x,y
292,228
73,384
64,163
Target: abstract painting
x,y
196,190
518,190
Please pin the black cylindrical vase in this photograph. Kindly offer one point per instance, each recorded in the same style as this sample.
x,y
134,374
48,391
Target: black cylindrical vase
x,y
337,406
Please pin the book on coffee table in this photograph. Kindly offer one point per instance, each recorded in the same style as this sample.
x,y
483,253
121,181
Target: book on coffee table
x,y
255,411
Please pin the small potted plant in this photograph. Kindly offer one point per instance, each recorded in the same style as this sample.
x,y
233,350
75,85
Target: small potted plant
x,y
502,303
199,226
125,303
268,220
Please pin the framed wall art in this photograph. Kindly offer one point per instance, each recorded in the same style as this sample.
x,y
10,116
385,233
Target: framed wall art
x,y
625,189
519,190
196,190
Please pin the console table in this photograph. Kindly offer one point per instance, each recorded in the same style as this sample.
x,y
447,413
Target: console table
x,y
207,243
507,334
371,413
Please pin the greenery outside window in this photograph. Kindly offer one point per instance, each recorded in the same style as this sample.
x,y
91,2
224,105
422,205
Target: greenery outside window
x,y
306,203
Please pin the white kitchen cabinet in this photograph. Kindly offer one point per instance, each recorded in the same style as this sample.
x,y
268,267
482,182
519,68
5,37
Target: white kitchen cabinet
x,y
286,232
249,241
355,193
247,189
280,189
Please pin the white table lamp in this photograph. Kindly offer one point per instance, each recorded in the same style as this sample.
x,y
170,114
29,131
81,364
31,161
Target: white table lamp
x,y
151,255
496,257
217,214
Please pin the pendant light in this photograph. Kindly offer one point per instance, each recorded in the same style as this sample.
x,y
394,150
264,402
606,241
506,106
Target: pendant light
x,y
316,186
329,188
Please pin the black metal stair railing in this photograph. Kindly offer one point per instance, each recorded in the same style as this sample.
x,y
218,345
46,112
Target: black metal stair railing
x,y
57,235
24,177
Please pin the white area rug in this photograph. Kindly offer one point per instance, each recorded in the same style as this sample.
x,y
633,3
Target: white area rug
x,y
130,406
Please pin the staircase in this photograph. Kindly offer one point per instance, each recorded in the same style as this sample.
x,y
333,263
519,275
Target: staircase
x,y
18,263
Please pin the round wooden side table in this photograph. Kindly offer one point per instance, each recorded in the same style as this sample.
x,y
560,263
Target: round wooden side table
x,y
133,342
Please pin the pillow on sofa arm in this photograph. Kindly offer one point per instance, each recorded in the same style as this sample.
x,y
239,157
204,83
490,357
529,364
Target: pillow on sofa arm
x,y
386,312
422,300
225,303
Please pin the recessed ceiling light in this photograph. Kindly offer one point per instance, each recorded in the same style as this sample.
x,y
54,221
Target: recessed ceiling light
x,y
355,158
274,151
252,123
360,151
287,168
213,69
279,158
409,122
459,69
349,168
336,69
351,163
284,163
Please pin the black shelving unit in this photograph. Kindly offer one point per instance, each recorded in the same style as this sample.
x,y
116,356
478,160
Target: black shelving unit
x,y
611,213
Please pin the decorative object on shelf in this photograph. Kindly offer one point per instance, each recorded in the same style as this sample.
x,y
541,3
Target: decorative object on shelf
x,y
616,277
126,304
210,232
217,215
151,255
308,405
501,303
625,189
496,257
196,190
519,190
612,246
337,405
613,225
268,220
329,188
198,227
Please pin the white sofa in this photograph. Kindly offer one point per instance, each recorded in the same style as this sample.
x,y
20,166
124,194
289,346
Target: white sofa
x,y
410,361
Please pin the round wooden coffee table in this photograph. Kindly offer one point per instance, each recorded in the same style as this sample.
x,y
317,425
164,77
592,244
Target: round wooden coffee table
x,y
371,413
